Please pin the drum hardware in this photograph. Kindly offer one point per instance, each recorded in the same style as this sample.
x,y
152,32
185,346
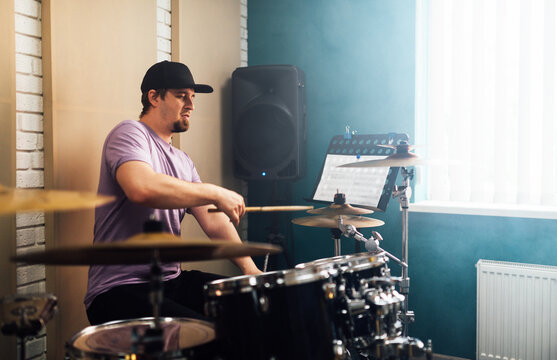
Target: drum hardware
x,y
26,315
399,348
338,216
371,244
19,200
403,158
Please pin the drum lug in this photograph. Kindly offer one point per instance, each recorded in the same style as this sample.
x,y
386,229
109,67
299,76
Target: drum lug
x,y
339,350
211,309
330,290
263,304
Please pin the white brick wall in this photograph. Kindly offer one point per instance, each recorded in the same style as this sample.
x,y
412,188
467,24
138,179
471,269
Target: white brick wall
x,y
29,151
164,38
244,33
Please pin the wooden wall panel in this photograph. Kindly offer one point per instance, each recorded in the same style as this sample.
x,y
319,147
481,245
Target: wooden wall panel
x,y
209,43
95,55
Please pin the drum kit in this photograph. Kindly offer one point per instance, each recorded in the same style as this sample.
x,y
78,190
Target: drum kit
x,y
343,307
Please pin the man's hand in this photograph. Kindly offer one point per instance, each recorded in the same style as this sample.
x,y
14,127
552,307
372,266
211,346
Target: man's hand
x,y
232,204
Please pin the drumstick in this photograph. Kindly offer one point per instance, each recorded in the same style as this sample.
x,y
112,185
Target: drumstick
x,y
270,208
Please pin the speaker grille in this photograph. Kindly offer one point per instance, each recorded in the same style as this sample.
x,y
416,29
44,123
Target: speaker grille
x,y
269,111
264,138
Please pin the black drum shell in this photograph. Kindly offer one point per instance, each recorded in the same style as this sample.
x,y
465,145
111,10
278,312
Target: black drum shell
x,y
273,319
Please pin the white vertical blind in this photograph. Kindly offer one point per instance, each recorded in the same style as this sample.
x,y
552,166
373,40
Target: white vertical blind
x,y
486,84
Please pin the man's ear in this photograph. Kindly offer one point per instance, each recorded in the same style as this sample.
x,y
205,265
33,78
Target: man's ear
x,y
153,97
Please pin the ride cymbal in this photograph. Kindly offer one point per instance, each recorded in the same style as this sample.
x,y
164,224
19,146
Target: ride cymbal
x,y
140,249
16,200
323,221
340,209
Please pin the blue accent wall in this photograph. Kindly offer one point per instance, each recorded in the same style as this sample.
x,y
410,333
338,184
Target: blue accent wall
x,y
359,61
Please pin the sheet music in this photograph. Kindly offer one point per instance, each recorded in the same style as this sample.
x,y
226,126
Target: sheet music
x,y
362,186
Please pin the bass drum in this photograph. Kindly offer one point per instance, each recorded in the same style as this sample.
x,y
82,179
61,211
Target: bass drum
x,y
184,339
281,315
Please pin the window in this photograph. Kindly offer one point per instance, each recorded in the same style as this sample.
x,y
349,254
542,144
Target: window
x,y
486,100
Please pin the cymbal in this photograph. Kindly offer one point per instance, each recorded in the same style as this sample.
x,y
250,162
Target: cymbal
x,y
332,221
393,160
400,158
340,209
140,249
250,209
15,200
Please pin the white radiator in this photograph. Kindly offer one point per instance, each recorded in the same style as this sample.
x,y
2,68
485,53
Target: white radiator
x,y
516,311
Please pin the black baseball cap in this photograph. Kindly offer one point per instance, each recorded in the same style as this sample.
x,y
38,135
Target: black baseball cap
x,y
171,75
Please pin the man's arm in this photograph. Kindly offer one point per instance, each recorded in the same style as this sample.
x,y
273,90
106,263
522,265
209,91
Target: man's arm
x,y
218,225
144,186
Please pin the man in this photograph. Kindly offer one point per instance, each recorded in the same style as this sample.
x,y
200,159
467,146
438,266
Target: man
x,y
151,178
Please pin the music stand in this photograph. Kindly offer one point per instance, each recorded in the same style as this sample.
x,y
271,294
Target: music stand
x,y
369,188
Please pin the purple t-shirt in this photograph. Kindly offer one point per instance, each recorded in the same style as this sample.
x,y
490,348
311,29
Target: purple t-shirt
x,y
133,141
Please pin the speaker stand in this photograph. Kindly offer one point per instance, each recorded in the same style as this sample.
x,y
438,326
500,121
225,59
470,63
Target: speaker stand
x,y
275,237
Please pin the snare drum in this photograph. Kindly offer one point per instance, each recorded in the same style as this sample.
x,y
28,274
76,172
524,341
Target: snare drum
x,y
282,315
183,339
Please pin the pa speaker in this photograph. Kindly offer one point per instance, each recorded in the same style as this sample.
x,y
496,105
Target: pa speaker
x,y
269,118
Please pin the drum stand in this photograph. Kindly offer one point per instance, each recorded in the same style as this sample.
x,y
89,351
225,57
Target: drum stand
x,y
26,315
336,233
403,193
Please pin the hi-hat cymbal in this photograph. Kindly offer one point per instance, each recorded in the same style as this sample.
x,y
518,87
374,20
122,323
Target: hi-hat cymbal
x,y
15,200
340,209
140,249
332,222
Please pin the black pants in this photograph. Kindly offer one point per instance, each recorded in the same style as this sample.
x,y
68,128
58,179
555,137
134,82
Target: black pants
x,y
182,297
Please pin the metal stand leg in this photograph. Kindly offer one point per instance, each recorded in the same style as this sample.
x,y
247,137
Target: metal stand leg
x,y
22,348
403,193
336,234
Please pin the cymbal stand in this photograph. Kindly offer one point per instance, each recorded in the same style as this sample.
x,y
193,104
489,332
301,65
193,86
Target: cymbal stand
x,y
336,233
26,315
371,244
156,287
152,339
403,193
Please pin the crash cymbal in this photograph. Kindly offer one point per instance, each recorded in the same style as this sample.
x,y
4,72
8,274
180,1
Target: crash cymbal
x,y
394,160
15,200
401,157
250,209
331,222
139,249
340,209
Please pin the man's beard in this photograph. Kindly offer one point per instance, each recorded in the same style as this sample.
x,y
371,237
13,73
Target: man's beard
x,y
180,126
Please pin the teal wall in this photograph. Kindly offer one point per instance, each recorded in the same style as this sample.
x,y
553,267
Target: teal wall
x,y
359,61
